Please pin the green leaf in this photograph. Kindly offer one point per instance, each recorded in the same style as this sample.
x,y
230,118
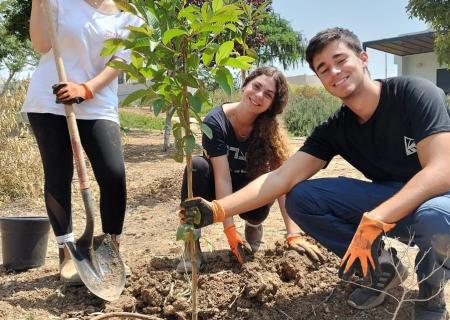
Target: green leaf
x,y
206,130
236,63
193,61
189,143
224,51
183,231
231,27
130,69
111,46
225,80
210,27
205,11
134,96
187,79
251,53
157,106
172,33
217,5
208,55
190,13
143,30
195,102
125,6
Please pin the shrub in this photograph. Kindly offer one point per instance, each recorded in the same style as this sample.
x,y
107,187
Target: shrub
x,y
143,121
307,107
219,97
21,169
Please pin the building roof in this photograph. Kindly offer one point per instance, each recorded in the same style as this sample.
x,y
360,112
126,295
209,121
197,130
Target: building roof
x,y
421,42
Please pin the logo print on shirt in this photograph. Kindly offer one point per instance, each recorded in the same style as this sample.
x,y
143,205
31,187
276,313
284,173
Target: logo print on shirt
x,y
238,155
410,146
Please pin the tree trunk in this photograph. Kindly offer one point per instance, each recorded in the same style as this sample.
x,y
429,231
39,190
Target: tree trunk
x,y
7,82
243,76
167,131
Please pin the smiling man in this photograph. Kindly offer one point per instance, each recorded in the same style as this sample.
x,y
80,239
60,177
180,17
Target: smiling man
x,y
397,133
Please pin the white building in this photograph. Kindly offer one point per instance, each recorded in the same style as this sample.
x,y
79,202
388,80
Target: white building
x,y
414,55
305,79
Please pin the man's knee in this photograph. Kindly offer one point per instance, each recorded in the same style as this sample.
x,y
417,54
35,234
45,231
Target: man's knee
x,y
432,220
299,198
304,200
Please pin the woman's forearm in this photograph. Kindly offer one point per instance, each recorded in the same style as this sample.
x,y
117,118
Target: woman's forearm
x,y
106,76
291,226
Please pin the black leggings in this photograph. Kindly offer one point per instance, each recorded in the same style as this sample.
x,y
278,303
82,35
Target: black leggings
x,y
203,186
102,144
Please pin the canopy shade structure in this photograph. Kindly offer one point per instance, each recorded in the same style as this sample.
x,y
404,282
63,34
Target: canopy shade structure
x,y
404,45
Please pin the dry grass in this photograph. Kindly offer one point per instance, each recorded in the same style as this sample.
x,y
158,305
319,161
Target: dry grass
x,y
20,163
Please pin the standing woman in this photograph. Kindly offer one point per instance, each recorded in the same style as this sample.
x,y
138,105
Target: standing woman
x,y
81,26
247,142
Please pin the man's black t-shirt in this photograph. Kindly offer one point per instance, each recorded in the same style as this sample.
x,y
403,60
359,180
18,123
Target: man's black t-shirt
x,y
384,147
225,142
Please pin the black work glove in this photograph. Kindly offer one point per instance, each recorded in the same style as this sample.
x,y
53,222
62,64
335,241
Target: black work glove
x,y
200,212
70,92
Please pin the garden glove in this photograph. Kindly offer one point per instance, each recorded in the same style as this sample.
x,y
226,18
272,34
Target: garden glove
x,y
238,247
209,212
296,242
70,92
364,247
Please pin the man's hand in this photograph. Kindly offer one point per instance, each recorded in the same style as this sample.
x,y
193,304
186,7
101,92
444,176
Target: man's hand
x,y
364,247
201,213
239,247
71,92
297,243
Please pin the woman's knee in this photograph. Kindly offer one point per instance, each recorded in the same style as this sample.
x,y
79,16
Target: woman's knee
x,y
257,215
112,176
202,179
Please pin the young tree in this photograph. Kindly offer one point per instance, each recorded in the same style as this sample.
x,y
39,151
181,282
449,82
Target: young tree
x,y
187,42
15,48
280,42
14,12
266,36
437,13
15,55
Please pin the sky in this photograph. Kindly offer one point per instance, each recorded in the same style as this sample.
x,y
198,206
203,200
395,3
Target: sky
x,y
368,19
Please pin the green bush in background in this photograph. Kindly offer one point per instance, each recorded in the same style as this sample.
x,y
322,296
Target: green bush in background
x,y
219,97
132,120
307,107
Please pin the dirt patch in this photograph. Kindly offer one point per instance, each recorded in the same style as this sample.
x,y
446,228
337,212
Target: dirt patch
x,y
276,284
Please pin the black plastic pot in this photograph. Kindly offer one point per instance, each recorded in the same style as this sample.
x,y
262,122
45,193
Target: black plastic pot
x,y
24,241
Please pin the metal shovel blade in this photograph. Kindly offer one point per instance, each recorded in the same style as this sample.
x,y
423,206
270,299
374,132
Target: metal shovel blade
x,y
100,267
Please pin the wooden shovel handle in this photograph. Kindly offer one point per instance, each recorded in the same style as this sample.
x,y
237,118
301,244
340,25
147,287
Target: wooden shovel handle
x,y
75,141
68,108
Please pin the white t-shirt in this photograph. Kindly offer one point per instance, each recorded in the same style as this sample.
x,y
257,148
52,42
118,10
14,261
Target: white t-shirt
x,y
81,31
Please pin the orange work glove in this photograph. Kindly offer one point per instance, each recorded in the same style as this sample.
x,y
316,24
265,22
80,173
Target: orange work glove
x,y
210,212
71,92
237,245
364,247
296,242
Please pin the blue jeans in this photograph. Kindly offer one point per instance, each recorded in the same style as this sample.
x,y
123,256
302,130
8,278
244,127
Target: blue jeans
x,y
330,209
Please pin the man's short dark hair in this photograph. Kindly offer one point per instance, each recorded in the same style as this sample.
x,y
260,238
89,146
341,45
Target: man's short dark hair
x,y
323,38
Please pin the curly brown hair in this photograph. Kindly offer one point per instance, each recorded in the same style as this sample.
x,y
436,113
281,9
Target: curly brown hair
x,y
268,147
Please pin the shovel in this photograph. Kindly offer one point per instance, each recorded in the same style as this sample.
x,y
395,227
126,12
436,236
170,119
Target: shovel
x,y
97,259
